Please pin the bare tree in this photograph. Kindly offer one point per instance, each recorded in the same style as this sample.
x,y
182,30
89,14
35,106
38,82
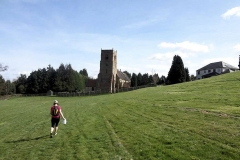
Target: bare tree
x,y
3,68
155,77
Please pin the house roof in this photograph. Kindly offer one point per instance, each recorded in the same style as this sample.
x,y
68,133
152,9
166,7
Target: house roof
x,y
91,83
123,76
215,65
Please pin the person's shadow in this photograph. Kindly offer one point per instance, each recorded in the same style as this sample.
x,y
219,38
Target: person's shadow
x,y
28,139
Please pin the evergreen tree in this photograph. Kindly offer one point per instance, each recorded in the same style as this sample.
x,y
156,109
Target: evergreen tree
x,y
150,79
60,80
145,79
139,79
42,80
187,74
176,73
162,80
69,78
51,75
84,72
33,82
134,80
128,74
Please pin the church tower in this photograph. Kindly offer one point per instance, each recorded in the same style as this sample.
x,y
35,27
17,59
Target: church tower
x,y
108,71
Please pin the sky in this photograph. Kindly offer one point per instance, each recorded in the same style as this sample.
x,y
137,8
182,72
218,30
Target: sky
x,y
146,34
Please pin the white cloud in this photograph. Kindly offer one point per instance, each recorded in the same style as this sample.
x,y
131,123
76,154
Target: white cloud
x,y
185,46
142,23
237,48
232,12
168,56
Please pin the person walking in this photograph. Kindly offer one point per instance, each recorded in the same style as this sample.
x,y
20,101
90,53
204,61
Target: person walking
x,y
55,112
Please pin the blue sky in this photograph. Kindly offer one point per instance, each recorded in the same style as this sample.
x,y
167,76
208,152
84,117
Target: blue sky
x,y
146,34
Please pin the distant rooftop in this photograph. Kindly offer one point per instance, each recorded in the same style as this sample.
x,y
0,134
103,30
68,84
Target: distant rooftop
x,y
215,65
123,75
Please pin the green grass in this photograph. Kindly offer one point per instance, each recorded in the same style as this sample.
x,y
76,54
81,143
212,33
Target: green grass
x,y
194,120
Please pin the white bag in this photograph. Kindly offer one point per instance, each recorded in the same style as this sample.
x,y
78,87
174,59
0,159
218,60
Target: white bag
x,y
64,121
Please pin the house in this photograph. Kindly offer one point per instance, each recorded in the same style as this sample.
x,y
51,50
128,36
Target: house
x,y
123,81
214,69
91,85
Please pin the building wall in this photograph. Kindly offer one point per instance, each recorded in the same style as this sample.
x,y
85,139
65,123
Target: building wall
x,y
108,71
199,74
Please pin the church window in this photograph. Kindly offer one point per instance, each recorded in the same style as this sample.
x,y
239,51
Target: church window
x,y
106,57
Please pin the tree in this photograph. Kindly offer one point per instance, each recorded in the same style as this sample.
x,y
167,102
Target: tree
x,y
128,74
8,87
60,81
69,78
155,78
2,85
21,84
176,73
162,80
51,75
134,80
139,79
79,81
145,80
84,72
150,79
187,75
239,63
3,68
33,82
192,77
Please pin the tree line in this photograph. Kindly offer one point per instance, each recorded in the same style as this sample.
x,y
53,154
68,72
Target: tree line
x,y
177,74
63,79
66,79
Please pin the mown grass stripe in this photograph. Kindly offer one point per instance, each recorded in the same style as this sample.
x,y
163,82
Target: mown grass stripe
x,y
116,142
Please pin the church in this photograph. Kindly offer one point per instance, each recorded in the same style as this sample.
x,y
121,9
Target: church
x,y
110,79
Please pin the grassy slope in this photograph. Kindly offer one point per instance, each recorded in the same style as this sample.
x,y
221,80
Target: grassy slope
x,y
194,120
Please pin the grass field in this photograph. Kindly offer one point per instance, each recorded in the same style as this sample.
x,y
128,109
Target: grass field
x,y
194,120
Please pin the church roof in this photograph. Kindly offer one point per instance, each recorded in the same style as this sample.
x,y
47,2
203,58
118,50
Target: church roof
x,y
215,65
123,76
91,83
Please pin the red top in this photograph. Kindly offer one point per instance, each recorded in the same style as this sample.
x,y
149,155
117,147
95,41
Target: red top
x,y
59,109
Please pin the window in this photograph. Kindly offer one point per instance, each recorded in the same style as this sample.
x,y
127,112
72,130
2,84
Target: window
x,y
198,72
209,70
204,71
106,57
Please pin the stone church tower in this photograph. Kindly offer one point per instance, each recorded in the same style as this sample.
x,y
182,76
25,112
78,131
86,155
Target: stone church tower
x,y
108,71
